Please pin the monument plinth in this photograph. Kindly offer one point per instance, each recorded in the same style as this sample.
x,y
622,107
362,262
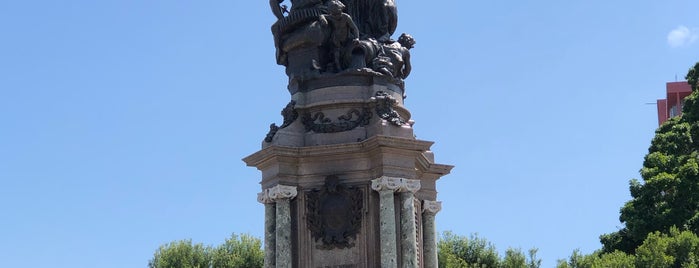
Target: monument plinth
x,y
345,183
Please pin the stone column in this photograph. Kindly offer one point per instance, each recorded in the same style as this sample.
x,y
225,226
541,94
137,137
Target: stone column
x,y
429,232
408,225
270,226
282,195
386,187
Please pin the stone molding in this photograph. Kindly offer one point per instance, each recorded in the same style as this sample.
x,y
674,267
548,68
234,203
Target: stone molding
x,y
271,195
432,207
395,184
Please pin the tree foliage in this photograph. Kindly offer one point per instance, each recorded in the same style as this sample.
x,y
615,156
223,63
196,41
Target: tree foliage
x,y
615,259
669,193
242,251
475,252
673,249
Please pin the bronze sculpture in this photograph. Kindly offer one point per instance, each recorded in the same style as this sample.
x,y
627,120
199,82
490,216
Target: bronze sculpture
x,y
316,38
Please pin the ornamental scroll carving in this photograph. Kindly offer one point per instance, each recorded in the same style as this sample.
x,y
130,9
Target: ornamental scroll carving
x,y
334,214
384,108
289,114
282,192
395,184
431,207
318,123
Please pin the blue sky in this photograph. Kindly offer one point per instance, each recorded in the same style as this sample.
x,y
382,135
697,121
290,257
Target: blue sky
x,y
122,123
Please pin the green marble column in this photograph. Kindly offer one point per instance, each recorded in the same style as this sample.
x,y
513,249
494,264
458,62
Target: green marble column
x,y
408,226
429,232
282,195
270,228
387,219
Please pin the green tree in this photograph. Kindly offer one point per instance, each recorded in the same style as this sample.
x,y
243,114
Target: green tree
x,y
674,249
669,193
242,251
460,251
615,259
456,251
181,254
515,258
238,252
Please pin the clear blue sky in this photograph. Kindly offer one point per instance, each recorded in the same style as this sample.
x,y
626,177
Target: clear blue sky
x,y
123,122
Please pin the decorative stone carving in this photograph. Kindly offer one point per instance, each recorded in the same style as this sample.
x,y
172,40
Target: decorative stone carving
x,y
289,114
384,108
334,214
432,207
386,183
320,124
263,197
270,195
395,184
273,128
282,192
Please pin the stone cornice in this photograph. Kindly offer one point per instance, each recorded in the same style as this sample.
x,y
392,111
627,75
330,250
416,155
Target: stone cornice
x,y
395,184
428,166
375,142
431,207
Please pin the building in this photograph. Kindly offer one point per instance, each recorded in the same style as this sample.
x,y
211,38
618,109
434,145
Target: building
x,y
672,105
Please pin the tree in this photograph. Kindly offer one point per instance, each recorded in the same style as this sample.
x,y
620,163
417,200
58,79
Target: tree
x,y
669,194
239,252
181,254
459,251
515,258
242,251
673,249
615,259
475,252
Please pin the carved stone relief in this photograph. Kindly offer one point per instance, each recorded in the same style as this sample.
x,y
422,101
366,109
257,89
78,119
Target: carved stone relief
x,y
318,123
334,214
384,108
289,114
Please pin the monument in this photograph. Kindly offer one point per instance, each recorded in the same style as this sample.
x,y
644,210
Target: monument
x,y
345,183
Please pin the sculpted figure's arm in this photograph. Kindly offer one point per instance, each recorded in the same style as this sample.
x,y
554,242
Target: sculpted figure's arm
x,y
406,63
353,27
323,20
276,8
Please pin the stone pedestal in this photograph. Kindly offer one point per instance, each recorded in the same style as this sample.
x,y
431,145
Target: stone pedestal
x,y
359,178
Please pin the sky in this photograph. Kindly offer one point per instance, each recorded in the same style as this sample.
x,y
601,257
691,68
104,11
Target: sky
x,y
123,123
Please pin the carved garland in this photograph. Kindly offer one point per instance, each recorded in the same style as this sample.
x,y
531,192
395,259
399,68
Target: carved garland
x,y
354,118
320,124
